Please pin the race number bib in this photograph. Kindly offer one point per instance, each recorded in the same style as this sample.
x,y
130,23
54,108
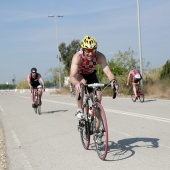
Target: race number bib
x,y
137,76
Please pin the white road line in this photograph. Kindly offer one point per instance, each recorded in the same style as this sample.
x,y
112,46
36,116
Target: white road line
x,y
26,164
52,101
118,112
139,115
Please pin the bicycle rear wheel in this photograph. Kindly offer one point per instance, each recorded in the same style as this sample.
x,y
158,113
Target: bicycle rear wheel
x,y
141,95
101,135
84,130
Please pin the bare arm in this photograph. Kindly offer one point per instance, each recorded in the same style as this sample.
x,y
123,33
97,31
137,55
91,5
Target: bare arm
x,y
128,78
74,69
28,80
41,79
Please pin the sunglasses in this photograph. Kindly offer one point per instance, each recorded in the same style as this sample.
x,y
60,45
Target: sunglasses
x,y
89,50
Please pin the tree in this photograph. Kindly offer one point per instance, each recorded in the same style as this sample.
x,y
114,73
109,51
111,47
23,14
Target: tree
x,y
23,84
121,64
67,53
165,73
126,60
55,75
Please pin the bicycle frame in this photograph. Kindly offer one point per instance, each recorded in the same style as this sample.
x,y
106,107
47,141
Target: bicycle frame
x,y
96,124
37,100
139,92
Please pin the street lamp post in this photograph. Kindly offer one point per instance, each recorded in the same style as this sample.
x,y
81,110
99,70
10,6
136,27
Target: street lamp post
x,y
139,34
57,16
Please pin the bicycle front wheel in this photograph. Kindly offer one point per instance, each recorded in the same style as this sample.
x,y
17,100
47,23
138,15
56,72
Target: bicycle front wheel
x,y
100,132
84,129
39,105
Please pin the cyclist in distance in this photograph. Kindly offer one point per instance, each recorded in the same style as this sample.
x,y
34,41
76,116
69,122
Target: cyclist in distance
x,y
136,77
35,79
83,69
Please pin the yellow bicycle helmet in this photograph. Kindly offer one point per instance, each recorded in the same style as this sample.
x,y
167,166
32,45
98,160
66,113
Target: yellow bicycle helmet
x,y
88,42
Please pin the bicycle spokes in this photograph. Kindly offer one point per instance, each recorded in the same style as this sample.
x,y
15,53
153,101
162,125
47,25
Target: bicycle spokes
x,y
100,136
83,127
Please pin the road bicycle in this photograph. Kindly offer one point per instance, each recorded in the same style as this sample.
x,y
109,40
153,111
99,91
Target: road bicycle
x,y
94,112
37,100
140,93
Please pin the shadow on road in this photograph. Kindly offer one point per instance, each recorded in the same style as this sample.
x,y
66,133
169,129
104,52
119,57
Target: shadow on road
x,y
53,111
125,148
150,100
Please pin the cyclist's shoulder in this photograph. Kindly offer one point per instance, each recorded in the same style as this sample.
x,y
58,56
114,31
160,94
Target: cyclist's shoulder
x,y
39,75
78,54
100,54
76,59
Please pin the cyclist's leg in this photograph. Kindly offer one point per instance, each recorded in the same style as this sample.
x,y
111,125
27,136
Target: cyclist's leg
x,y
99,96
79,112
93,79
32,93
33,97
134,87
81,80
40,94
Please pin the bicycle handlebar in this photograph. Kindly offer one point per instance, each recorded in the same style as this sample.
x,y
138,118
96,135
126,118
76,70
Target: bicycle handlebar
x,y
115,87
39,87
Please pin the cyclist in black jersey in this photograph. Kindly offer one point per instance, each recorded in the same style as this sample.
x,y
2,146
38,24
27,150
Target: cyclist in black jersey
x,y
35,79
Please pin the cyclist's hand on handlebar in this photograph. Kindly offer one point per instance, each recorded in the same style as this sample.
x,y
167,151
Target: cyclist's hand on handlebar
x,y
113,83
115,87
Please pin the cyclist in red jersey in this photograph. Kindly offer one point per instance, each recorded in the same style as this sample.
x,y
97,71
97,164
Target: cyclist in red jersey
x,y
35,79
136,76
83,68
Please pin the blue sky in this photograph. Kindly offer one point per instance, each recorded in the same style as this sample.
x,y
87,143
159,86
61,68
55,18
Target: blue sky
x,y
28,36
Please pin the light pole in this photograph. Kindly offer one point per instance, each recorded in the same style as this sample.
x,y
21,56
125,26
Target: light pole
x,y
57,16
139,34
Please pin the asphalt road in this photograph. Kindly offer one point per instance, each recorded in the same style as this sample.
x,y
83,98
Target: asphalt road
x,y
139,134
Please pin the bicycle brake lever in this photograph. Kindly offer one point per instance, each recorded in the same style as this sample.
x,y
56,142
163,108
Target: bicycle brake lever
x,y
79,96
114,93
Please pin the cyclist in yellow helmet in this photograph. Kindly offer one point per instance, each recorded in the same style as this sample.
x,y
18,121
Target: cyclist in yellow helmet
x,y
83,68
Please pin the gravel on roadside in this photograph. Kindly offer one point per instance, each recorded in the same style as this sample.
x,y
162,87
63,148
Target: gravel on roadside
x,y
3,163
